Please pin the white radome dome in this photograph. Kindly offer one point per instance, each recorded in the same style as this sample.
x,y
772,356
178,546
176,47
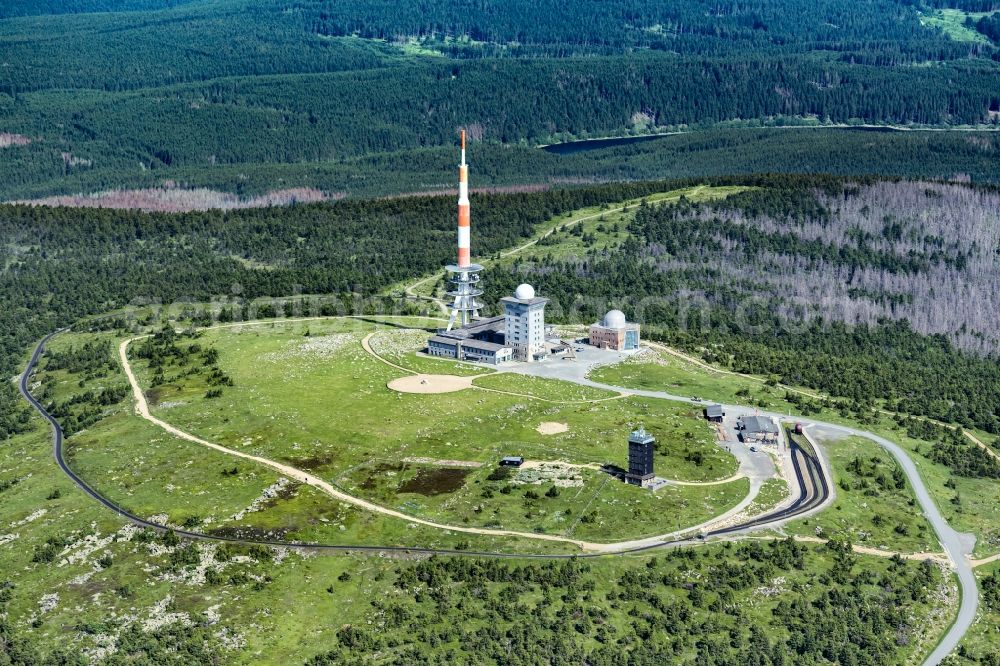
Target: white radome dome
x,y
524,292
614,319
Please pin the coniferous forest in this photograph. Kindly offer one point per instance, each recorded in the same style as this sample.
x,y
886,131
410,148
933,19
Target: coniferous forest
x,y
242,159
849,286
254,96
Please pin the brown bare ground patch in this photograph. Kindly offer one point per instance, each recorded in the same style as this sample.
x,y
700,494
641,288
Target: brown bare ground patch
x,y
311,463
437,481
430,384
380,472
552,428
181,200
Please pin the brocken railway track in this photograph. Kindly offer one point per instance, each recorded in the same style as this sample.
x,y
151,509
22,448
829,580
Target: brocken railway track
x,y
813,484
58,452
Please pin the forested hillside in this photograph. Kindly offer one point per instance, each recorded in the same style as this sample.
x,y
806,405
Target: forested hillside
x,y
38,7
765,281
768,279
805,247
205,90
39,170
860,620
60,264
925,253
878,31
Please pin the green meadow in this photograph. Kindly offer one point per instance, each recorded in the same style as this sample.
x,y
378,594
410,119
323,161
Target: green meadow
x,y
969,504
308,394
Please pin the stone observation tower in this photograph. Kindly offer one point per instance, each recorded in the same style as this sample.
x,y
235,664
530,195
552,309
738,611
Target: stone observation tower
x,y
641,448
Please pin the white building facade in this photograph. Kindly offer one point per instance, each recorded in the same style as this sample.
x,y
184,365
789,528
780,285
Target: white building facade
x,y
524,324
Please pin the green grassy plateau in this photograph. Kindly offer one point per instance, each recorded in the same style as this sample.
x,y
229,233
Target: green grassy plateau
x,y
308,394
320,403
977,498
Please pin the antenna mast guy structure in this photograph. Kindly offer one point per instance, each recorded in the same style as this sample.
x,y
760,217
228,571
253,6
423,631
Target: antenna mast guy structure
x,y
464,275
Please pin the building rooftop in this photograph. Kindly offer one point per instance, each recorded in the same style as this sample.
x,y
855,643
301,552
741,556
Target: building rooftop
x,y
488,323
524,301
760,424
714,410
444,340
482,345
477,327
640,436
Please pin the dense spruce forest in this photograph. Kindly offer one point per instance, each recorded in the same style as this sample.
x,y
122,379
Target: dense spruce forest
x,y
38,170
845,286
13,8
864,290
874,32
289,92
680,608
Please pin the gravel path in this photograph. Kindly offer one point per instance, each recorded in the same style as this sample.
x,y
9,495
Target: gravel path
x,y
142,409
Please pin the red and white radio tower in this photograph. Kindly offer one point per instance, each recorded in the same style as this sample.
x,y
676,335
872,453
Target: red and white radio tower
x,y
464,276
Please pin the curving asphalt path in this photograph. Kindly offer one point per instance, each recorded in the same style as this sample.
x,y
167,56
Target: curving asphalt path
x,y
58,452
814,491
956,545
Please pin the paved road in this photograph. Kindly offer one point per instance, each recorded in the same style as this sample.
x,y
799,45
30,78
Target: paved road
x,y
620,548
956,545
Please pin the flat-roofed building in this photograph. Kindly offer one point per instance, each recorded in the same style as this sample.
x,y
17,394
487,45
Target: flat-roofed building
x,y
715,413
487,329
460,349
481,351
443,346
641,449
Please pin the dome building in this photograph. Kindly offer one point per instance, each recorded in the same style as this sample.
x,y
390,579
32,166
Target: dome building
x,y
615,332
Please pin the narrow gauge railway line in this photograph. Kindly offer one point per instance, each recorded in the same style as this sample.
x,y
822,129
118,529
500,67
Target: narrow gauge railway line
x,y
808,470
813,473
814,490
